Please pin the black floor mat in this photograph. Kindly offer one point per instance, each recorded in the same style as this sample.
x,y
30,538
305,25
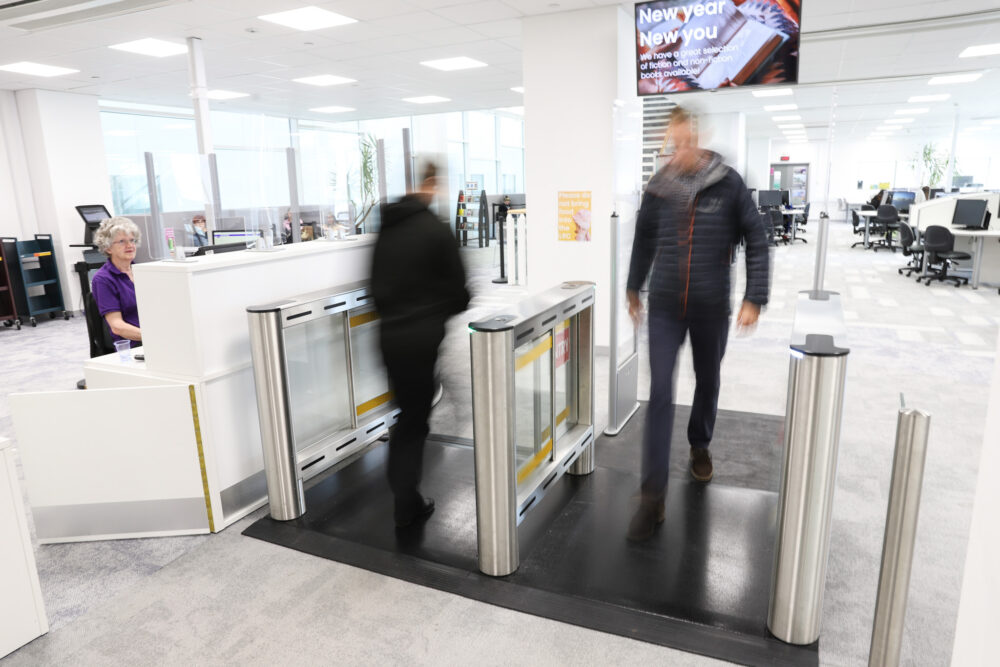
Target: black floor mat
x,y
700,585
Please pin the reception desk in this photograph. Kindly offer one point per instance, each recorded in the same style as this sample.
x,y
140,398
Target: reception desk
x,y
170,445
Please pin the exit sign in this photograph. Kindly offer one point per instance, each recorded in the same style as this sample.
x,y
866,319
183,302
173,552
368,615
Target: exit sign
x,y
785,158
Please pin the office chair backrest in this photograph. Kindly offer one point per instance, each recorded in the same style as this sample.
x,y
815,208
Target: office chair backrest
x,y
938,239
805,215
887,213
867,207
855,218
97,329
777,220
906,237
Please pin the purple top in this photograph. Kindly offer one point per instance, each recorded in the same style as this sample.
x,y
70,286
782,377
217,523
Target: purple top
x,y
114,290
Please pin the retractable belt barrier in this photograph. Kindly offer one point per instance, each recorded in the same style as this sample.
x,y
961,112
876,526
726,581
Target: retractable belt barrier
x,y
533,410
322,392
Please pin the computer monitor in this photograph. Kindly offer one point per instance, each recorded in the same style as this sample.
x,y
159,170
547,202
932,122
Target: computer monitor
x,y
233,223
936,192
219,248
769,198
902,200
970,213
784,198
93,215
249,238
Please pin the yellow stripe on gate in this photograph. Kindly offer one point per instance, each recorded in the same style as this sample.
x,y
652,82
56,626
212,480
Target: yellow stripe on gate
x,y
534,462
201,458
374,403
533,354
363,318
561,417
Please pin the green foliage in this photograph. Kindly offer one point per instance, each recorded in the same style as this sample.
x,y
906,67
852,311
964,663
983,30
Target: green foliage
x,y
369,172
934,163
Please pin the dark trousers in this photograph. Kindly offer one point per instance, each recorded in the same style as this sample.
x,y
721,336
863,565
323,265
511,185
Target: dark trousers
x,y
708,345
410,354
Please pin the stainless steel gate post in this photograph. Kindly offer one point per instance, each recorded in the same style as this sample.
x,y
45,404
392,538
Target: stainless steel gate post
x,y
284,486
912,429
817,370
493,410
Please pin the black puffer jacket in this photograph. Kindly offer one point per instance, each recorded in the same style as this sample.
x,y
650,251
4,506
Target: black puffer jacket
x,y
417,276
690,244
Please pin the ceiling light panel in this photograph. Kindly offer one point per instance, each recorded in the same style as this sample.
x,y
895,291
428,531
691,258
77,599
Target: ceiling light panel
x,y
308,18
453,64
781,107
792,126
779,119
899,121
907,112
157,48
918,99
324,80
333,109
954,78
518,89
37,69
980,50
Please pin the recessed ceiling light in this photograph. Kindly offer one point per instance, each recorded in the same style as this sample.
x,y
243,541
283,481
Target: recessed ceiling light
x,y
778,119
781,107
907,112
889,128
452,64
991,121
899,121
426,99
772,92
333,109
791,126
224,95
35,69
954,78
324,80
308,18
980,50
518,89
157,48
917,99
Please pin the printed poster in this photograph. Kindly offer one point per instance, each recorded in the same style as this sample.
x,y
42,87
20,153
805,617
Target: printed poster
x,y
574,215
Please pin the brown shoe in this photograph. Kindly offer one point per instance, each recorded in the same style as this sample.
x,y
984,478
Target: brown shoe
x,y
646,518
701,464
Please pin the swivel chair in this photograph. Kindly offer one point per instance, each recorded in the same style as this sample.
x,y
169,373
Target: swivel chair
x,y
912,249
887,220
939,248
800,223
776,224
859,228
97,332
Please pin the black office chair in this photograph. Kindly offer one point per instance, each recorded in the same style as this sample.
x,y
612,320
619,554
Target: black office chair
x,y
97,328
776,224
859,228
887,220
939,248
800,223
912,249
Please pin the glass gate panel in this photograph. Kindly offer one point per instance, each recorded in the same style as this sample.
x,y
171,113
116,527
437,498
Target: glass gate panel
x,y
533,400
371,384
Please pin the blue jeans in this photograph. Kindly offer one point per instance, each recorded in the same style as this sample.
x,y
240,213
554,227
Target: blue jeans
x,y
708,345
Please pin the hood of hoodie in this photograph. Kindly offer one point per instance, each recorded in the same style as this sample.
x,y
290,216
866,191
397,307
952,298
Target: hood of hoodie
x,y
402,210
669,182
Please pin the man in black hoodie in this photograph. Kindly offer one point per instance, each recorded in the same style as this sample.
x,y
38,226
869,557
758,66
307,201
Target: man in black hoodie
x,y
418,282
693,215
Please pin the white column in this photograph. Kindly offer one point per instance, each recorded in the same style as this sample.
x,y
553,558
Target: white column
x,y
17,210
569,104
202,120
66,164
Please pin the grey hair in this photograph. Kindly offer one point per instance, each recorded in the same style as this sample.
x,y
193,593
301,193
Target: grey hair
x,y
105,234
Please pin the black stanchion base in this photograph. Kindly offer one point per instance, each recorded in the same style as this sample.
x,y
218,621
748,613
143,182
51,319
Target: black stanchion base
x,y
500,281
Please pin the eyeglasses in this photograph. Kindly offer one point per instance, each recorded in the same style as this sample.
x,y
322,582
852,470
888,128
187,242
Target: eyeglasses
x,y
125,242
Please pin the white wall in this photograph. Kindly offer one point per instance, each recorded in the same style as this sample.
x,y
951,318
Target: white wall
x,y
979,608
815,155
726,134
758,163
17,210
64,145
569,105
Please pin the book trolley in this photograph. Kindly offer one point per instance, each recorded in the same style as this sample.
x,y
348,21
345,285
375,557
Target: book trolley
x,y
8,309
472,213
33,279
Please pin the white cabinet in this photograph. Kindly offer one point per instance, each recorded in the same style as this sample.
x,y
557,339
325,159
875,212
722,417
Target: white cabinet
x,y
22,612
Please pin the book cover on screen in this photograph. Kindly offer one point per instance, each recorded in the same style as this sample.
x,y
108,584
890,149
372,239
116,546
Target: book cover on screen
x,y
688,45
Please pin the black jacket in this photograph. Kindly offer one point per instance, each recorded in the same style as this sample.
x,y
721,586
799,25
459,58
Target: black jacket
x,y
690,245
417,275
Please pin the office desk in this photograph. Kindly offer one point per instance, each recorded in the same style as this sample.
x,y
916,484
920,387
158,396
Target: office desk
x,y
786,212
978,238
868,215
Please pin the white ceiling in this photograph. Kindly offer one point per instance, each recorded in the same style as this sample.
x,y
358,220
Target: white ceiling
x,y
867,55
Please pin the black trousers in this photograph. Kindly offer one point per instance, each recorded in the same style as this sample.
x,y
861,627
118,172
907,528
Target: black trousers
x,y
410,354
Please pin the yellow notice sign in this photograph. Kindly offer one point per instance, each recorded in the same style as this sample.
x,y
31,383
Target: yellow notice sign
x,y
574,215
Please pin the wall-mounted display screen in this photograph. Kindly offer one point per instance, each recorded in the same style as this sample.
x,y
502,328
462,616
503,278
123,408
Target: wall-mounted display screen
x,y
688,45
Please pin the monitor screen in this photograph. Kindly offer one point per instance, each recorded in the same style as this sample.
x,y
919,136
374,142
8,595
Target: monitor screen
x,y
93,215
769,198
690,45
969,213
902,201
784,198
232,236
936,192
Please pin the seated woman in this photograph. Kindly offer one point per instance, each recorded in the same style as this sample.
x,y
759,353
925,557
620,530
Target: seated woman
x,y
113,288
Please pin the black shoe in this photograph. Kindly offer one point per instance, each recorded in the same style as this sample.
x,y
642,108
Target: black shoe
x,y
414,514
645,520
701,464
